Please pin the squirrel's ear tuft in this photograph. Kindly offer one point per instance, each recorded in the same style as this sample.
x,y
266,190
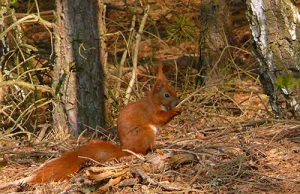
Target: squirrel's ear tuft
x,y
159,73
158,85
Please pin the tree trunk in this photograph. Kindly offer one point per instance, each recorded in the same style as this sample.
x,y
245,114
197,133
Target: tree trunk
x,y
275,30
78,73
215,35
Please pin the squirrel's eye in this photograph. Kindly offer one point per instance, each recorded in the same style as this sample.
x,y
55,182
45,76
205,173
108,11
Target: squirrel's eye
x,y
167,95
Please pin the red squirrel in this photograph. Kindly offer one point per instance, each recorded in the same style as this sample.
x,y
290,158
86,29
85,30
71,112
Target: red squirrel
x,y
137,126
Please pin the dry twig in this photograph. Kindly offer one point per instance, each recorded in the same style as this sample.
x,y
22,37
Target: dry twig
x,y
135,54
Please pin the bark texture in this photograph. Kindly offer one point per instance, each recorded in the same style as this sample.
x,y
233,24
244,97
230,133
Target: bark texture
x,y
215,35
78,70
275,30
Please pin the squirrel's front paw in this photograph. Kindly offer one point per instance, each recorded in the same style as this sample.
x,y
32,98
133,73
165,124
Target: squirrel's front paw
x,y
177,110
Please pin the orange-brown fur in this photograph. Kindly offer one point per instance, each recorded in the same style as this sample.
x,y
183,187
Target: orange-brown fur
x,y
137,125
154,109
71,162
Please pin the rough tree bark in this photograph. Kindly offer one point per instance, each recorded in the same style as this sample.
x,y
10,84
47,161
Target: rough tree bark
x,y
276,30
215,35
78,72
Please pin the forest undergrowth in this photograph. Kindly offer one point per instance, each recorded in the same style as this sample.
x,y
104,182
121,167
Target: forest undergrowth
x,y
225,140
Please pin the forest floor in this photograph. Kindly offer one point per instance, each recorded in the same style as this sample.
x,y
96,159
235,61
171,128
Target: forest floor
x,y
225,140
198,152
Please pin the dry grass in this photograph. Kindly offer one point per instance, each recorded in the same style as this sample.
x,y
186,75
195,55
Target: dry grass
x,y
225,140
236,147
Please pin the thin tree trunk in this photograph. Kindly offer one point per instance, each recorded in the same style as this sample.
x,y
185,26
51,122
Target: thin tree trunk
x,y
275,30
64,82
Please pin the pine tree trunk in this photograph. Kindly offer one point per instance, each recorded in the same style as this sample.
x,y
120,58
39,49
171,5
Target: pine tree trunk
x,y
215,35
78,77
275,30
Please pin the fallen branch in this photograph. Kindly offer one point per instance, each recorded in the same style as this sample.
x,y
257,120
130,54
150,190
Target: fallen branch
x,y
28,18
42,88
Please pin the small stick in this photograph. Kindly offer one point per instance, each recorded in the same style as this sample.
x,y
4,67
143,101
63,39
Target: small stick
x,y
135,55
